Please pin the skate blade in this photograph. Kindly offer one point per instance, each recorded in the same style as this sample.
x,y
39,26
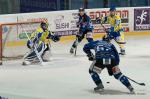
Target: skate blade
x,y
43,64
99,90
132,93
122,54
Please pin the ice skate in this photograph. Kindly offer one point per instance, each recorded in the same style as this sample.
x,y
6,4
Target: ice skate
x,y
24,63
122,52
131,89
100,87
72,50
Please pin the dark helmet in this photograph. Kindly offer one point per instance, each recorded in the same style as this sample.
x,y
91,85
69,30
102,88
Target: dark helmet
x,y
81,9
112,8
44,25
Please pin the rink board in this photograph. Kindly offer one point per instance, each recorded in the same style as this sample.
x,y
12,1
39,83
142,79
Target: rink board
x,y
70,38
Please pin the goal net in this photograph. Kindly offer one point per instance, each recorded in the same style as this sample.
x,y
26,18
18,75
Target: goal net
x,y
13,39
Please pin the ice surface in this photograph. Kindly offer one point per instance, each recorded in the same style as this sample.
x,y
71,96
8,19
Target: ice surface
x,y
66,76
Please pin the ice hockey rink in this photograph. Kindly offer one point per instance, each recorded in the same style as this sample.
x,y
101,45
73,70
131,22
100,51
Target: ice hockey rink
x,y
67,77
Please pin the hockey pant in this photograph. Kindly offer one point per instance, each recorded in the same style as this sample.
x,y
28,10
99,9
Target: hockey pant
x,y
80,36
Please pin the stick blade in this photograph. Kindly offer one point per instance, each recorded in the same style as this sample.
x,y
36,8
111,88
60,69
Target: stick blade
x,y
142,84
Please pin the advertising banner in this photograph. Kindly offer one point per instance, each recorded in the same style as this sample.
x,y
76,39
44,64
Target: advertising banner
x,y
64,22
60,22
123,13
141,19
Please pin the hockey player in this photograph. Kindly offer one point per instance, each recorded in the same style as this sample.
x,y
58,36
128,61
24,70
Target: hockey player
x,y
38,43
85,28
106,56
116,30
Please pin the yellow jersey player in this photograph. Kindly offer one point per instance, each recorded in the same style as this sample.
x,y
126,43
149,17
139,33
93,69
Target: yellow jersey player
x,y
115,30
39,40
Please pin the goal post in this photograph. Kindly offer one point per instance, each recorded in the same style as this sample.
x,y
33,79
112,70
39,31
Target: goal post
x,y
13,38
0,44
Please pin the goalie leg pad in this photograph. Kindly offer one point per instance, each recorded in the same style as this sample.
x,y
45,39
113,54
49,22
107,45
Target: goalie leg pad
x,y
32,55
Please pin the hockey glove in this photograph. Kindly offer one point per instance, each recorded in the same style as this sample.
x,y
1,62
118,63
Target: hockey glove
x,y
56,38
98,20
78,24
90,57
108,30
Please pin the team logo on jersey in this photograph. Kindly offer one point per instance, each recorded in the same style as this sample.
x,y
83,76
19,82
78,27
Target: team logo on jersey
x,y
142,19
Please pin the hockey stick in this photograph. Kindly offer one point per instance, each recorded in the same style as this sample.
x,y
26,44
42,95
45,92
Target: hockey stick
x,y
49,43
75,52
107,33
114,39
35,49
142,84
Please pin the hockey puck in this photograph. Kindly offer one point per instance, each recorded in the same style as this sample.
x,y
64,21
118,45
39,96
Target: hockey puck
x,y
107,82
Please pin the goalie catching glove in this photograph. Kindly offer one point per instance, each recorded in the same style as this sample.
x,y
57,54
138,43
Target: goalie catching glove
x,y
56,38
53,36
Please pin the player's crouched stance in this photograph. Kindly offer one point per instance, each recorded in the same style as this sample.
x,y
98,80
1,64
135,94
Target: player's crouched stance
x,y
106,56
39,45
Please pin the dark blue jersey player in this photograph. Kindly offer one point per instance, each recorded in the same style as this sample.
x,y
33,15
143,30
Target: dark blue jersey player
x,y
106,56
85,28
